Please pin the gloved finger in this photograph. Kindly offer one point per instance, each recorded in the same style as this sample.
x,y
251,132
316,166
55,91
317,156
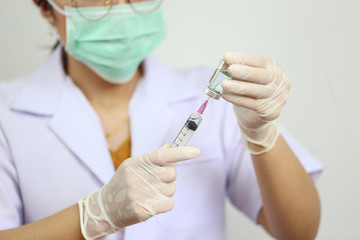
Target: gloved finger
x,y
251,74
168,146
246,102
164,205
162,157
253,60
168,189
152,174
168,174
251,90
267,109
142,212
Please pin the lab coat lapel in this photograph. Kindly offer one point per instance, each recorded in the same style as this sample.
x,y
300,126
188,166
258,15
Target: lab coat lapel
x,y
149,125
43,88
150,119
50,93
76,124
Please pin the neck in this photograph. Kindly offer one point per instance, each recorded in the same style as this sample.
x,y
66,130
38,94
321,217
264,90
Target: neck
x,y
99,92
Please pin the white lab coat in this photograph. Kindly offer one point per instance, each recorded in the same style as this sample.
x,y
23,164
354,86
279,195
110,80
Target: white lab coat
x,y
53,151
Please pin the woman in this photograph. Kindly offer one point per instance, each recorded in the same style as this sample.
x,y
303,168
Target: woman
x,y
99,104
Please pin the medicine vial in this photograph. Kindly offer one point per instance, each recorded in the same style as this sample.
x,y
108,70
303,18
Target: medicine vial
x,y
214,89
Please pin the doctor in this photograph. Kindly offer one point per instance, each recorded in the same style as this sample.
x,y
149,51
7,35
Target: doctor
x,y
81,139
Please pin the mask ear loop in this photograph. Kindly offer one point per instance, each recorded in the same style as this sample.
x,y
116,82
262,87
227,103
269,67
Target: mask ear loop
x,y
146,12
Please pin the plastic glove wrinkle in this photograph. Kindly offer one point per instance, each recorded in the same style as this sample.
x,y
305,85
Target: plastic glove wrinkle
x,y
139,189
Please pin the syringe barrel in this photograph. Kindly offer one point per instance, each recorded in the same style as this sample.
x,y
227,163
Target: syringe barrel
x,y
214,89
183,137
188,130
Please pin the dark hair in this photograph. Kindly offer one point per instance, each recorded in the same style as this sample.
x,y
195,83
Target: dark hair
x,y
39,2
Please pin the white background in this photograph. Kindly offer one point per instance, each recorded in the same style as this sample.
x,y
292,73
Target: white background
x,y
316,40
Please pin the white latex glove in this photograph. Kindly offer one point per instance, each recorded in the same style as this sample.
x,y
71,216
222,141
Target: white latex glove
x,y
258,89
141,188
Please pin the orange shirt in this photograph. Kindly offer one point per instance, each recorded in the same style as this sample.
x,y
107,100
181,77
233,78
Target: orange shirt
x,y
122,153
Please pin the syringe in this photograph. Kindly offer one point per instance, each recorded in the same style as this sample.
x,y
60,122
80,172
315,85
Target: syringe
x,y
189,127
214,91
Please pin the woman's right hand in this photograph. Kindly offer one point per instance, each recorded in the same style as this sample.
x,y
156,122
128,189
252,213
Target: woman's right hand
x,y
141,188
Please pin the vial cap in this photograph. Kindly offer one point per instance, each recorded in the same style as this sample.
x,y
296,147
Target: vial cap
x,y
212,93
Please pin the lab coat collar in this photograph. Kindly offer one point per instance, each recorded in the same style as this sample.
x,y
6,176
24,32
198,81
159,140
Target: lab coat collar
x,y
42,90
77,125
50,93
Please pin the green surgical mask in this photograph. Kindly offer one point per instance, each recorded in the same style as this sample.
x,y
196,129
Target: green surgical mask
x,y
114,46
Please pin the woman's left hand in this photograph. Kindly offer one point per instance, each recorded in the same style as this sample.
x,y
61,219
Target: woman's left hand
x,y
258,89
